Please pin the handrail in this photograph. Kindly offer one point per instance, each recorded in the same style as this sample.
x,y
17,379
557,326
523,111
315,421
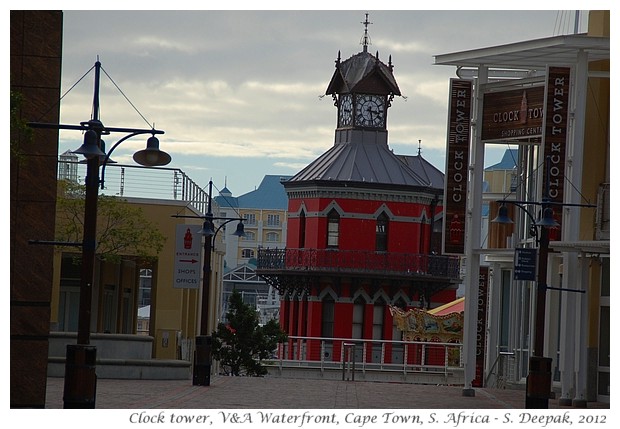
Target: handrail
x,y
128,180
407,357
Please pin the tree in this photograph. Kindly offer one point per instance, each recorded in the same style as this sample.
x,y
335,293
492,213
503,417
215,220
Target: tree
x,y
122,228
241,344
18,128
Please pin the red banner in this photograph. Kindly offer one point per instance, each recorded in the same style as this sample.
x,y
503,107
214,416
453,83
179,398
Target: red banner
x,y
556,133
481,332
457,162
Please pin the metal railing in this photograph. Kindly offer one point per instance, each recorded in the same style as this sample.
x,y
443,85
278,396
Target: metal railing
x,y
502,371
360,355
125,180
334,260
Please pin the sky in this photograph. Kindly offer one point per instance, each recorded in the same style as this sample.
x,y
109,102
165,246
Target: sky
x,y
240,94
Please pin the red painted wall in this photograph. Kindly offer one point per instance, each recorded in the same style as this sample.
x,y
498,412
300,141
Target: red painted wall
x,y
355,233
305,318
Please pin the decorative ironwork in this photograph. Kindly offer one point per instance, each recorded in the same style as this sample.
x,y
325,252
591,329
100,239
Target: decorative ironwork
x,y
403,265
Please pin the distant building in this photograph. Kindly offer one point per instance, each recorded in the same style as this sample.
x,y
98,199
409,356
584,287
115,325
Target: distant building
x,y
265,226
67,167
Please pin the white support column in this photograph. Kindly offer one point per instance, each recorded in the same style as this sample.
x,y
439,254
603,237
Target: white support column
x,y
581,346
472,239
573,341
574,172
567,339
493,324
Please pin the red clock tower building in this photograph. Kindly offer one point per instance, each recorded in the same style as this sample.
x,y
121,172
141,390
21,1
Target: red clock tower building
x,y
364,228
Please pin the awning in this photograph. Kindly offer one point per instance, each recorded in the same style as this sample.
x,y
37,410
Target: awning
x,y
456,306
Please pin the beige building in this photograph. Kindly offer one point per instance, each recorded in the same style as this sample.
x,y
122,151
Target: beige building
x,y
135,296
135,300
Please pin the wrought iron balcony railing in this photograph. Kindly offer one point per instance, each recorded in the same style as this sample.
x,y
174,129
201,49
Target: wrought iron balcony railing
x,y
358,261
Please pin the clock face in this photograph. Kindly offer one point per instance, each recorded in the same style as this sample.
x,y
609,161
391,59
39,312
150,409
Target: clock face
x,y
370,111
345,114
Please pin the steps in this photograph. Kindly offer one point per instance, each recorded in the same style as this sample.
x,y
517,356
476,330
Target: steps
x,y
119,356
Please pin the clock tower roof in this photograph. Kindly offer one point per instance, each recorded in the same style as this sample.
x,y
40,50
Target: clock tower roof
x,y
363,72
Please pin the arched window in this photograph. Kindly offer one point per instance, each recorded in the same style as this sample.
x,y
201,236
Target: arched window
x,y
302,229
272,237
249,236
327,317
359,308
382,233
397,334
333,228
422,243
378,314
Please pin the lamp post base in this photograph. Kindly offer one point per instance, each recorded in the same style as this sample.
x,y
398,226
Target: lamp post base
x,y
80,377
538,385
202,361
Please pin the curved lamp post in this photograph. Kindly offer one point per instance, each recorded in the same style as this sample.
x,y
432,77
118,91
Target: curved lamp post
x,y
80,377
202,354
538,384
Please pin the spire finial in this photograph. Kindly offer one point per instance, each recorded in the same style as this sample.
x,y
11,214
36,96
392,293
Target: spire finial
x,y
419,147
366,39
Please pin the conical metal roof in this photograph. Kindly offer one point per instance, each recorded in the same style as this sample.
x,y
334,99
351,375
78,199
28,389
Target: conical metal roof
x,y
355,73
363,163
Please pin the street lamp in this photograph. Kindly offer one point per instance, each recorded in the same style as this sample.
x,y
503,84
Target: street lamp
x,y
80,378
202,354
538,384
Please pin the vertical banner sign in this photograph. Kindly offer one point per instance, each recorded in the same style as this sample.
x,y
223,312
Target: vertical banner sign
x,y
556,127
457,162
481,331
187,261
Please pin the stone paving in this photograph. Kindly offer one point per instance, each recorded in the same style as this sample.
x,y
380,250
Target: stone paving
x,y
285,393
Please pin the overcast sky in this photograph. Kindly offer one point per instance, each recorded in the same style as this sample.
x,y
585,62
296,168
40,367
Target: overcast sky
x,y
239,94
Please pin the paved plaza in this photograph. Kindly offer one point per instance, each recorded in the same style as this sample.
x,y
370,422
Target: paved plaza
x,y
286,393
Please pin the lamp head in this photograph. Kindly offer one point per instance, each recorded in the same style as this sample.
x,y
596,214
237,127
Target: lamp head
x,y
152,156
502,215
102,157
547,219
240,232
207,229
90,147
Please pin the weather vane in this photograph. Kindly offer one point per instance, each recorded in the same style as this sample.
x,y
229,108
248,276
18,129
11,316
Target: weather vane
x,y
366,39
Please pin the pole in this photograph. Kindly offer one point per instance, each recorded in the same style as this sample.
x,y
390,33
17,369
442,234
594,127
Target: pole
x,y
538,384
202,355
80,377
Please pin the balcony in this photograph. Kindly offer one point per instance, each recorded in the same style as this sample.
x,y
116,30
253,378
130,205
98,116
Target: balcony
x,y
358,262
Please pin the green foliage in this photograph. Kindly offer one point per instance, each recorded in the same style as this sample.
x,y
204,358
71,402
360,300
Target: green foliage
x,y
19,128
242,344
122,228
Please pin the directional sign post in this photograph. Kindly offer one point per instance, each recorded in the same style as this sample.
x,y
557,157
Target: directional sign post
x,y
187,257
525,264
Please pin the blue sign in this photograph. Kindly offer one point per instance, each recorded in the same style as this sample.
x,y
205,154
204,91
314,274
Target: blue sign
x,y
525,264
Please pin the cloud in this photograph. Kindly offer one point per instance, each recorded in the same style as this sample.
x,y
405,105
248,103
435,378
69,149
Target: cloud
x,y
245,86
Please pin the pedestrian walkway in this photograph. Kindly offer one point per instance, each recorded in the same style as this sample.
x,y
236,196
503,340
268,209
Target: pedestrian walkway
x,y
285,393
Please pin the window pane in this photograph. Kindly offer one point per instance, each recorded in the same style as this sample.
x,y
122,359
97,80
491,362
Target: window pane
x,y
604,336
327,328
377,322
332,233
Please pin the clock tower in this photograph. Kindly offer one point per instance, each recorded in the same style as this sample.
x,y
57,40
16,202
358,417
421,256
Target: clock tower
x,y
361,228
362,88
